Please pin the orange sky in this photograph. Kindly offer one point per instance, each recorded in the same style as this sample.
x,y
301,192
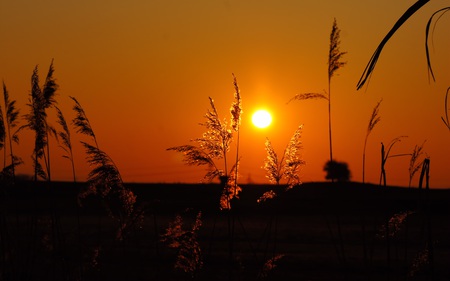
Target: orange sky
x,y
143,71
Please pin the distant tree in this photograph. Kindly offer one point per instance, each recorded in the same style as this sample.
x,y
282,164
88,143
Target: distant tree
x,y
337,171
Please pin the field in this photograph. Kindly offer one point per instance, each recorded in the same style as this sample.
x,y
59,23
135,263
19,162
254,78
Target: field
x,y
317,231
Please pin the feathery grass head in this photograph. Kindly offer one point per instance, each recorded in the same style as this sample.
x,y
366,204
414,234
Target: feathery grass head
x,y
65,133
231,190
287,167
50,87
308,96
395,223
269,266
292,159
414,163
236,107
271,164
105,180
335,55
214,144
12,113
81,122
189,256
266,196
374,118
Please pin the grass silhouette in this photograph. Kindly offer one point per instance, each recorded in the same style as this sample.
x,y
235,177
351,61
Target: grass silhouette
x,y
374,119
7,124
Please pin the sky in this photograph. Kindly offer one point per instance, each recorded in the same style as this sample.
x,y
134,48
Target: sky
x,y
143,72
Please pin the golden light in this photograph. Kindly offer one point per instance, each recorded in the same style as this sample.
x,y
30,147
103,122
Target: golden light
x,y
261,118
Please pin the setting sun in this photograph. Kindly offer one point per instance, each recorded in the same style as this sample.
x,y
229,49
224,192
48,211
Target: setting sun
x,y
261,118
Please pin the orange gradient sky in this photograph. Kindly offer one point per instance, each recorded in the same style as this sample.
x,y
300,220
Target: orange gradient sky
x,y
143,71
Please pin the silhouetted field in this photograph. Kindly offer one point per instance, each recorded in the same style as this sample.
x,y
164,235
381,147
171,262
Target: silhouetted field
x,y
319,231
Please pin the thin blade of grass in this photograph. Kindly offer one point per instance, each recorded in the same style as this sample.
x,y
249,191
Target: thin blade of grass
x,y
373,60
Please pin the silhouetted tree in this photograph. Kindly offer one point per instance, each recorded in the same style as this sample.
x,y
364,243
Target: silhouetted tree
x,y
337,171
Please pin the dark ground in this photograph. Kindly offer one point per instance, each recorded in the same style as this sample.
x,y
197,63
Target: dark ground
x,y
321,231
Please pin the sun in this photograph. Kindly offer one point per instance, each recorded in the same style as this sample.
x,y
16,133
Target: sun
x,y
261,118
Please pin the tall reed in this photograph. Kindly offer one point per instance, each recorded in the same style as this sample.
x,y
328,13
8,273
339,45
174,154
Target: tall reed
x,y
287,169
40,100
214,146
12,115
414,163
66,141
385,155
334,64
104,179
374,119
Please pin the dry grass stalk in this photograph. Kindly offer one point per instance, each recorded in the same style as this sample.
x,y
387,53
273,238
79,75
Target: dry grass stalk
x,y
334,64
385,155
374,119
66,142
365,77
7,125
414,163
446,109
439,14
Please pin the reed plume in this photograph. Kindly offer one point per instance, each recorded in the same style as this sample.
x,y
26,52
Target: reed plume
x,y
81,122
286,168
308,96
394,224
414,164
66,141
214,145
334,64
374,119
40,100
269,266
104,179
12,115
189,254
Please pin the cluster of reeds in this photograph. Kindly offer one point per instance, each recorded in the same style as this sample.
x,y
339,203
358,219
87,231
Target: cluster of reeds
x,y
104,179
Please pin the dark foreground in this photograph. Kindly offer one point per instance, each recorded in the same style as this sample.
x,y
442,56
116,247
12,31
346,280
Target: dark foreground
x,y
314,232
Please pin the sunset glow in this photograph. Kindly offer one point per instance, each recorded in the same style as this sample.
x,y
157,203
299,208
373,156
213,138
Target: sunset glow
x,y
261,118
143,72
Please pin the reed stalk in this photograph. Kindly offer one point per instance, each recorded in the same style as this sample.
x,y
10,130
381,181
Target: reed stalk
x,y
374,119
